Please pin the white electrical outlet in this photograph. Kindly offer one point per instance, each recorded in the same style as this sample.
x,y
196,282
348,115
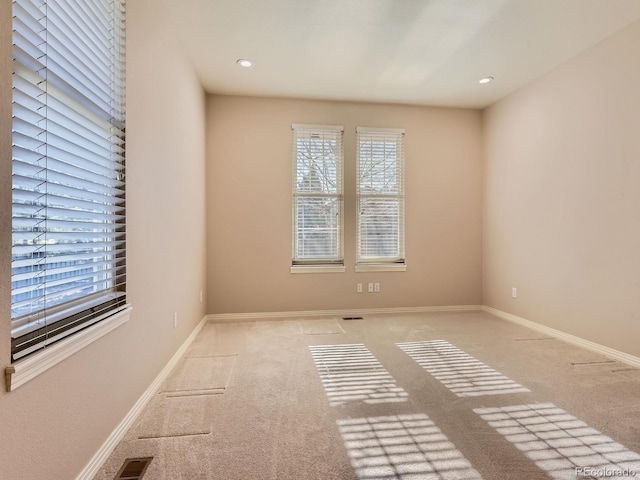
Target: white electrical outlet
x,y
370,288
514,292
359,288
175,320
376,287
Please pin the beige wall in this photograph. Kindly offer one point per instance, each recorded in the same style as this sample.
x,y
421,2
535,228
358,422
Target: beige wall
x,y
562,197
52,426
249,207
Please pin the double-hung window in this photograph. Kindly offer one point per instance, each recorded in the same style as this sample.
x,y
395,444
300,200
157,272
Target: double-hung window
x,y
380,199
317,197
68,134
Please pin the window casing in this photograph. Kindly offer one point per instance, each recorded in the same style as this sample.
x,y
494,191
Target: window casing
x,y
68,140
317,195
380,197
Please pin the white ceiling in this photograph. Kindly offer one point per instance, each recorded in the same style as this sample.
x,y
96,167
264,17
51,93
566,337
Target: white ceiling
x,y
424,52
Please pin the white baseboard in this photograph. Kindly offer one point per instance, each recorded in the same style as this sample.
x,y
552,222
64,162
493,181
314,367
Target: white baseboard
x,y
581,342
112,441
238,317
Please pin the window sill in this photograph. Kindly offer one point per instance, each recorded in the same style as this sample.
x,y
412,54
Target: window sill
x,y
30,367
381,267
317,269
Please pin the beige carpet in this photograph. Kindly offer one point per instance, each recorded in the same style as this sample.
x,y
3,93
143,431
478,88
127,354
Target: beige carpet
x,y
321,326
175,416
440,396
200,376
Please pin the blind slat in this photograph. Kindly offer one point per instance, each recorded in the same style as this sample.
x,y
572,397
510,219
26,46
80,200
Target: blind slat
x,y
62,258
34,165
64,275
36,184
23,251
63,281
20,209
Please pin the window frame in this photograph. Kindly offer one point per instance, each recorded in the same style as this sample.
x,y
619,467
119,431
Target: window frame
x,y
327,263
51,105
397,262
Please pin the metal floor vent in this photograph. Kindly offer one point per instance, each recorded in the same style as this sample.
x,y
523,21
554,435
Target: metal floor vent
x,y
353,318
133,468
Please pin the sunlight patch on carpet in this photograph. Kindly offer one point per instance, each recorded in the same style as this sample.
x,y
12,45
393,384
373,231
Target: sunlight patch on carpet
x,y
560,444
350,373
461,373
405,447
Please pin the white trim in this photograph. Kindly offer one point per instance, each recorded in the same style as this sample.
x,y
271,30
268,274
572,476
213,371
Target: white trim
x,y
317,269
304,126
581,342
239,317
30,367
381,267
112,441
379,130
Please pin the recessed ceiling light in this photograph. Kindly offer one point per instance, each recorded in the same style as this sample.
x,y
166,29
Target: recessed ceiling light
x,y
244,62
485,80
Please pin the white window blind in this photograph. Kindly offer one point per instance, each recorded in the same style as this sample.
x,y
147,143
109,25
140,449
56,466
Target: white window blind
x,y
68,261
317,195
380,195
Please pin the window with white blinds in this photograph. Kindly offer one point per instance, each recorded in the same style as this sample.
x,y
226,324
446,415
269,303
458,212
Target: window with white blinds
x,y
68,251
317,195
380,196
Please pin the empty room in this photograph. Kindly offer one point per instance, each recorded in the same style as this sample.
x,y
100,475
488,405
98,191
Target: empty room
x,y
338,239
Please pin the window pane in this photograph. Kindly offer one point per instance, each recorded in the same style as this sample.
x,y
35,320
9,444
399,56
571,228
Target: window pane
x,y
378,167
317,194
68,105
379,227
317,169
318,228
380,195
